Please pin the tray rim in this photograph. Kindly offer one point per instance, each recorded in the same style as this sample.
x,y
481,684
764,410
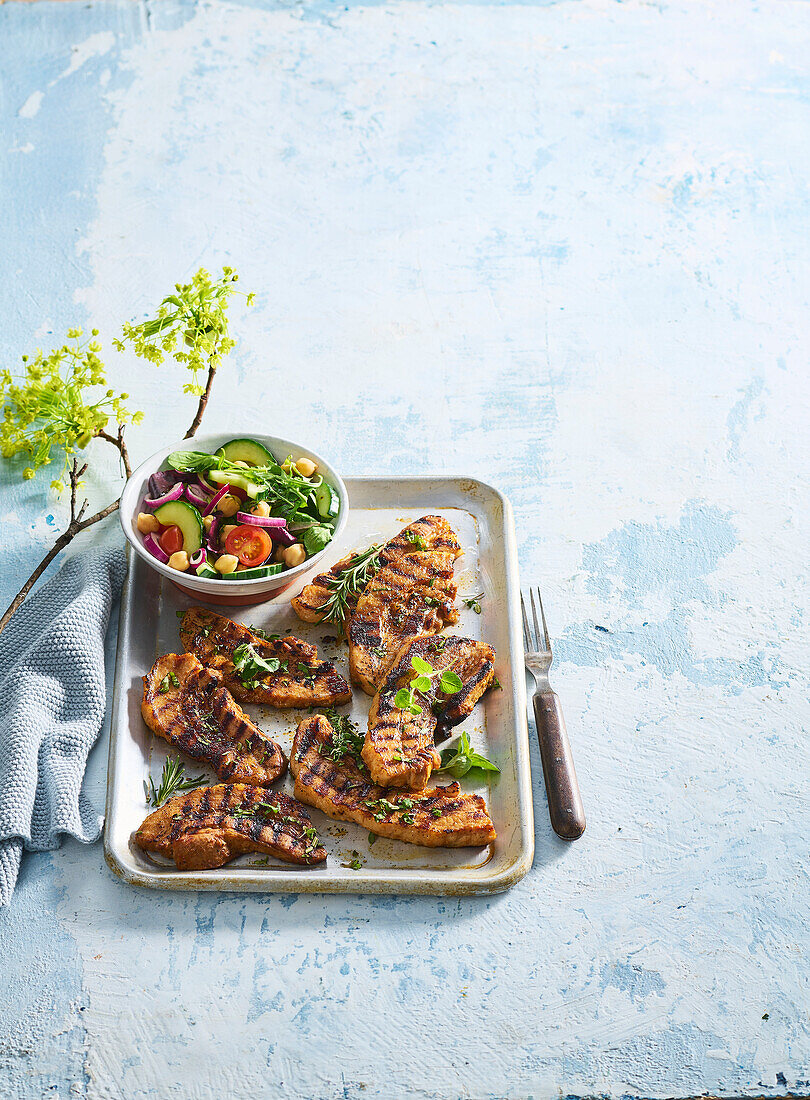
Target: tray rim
x,y
455,882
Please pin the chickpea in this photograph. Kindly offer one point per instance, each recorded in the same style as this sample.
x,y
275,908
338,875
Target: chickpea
x,y
179,561
294,555
261,508
306,467
279,553
147,524
241,462
207,521
226,530
226,563
229,505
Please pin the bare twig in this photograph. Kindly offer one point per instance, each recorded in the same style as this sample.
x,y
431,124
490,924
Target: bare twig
x,y
195,423
120,445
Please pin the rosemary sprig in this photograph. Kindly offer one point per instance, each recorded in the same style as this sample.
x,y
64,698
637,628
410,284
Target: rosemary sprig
x,y
172,781
350,581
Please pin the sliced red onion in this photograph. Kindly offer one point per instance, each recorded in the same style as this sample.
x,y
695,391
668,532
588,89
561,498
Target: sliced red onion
x,y
215,499
154,548
175,493
206,486
212,535
197,497
161,481
261,521
198,558
282,535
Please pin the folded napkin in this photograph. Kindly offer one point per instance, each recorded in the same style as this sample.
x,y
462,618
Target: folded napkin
x,y
52,703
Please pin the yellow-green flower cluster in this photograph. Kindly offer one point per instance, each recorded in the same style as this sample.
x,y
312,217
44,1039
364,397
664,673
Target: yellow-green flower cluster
x,y
191,324
51,404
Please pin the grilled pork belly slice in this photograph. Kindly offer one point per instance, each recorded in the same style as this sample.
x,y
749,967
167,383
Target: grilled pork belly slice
x,y
334,780
426,534
399,746
282,672
188,706
212,825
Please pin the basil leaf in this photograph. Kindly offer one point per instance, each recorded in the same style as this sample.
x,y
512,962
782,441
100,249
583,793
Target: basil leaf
x,y
188,461
315,538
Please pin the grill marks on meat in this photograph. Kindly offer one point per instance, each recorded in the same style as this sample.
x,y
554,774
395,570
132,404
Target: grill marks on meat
x,y
210,826
399,746
199,716
426,535
413,593
436,817
301,680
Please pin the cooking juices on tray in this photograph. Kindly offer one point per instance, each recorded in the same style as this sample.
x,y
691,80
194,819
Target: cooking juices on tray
x,y
238,513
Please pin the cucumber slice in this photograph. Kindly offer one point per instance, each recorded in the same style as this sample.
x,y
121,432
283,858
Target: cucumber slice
x,y
252,574
327,500
219,477
187,518
205,570
246,450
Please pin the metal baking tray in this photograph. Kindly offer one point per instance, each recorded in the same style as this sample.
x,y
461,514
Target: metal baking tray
x,y
379,508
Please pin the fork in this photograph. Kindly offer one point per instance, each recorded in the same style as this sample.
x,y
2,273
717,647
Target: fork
x,y
564,801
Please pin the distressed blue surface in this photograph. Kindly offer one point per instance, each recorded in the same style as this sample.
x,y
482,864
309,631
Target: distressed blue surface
x,y
561,247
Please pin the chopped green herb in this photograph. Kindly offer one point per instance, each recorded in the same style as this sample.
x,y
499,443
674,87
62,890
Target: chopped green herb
x,y
169,681
416,539
372,839
435,812
473,602
347,739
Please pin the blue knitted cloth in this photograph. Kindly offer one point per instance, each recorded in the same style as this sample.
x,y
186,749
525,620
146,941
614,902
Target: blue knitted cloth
x,y
52,703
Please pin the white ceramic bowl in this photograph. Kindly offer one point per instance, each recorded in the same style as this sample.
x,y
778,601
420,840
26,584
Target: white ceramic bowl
x,y
223,591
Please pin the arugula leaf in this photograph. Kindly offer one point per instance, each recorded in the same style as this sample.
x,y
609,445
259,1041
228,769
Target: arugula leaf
x,y
463,759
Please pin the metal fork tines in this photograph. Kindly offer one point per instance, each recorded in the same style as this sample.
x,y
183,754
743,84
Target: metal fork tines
x,y
564,801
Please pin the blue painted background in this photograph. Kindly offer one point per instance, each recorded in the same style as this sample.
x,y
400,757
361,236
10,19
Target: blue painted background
x,y
561,247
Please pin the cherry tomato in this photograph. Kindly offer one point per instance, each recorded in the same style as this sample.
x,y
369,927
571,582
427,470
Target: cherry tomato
x,y
171,539
250,544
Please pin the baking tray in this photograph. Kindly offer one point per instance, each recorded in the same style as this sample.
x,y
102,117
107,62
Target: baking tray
x,y
379,508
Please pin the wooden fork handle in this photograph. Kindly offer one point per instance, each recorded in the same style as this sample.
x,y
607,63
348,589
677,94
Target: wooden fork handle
x,y
564,800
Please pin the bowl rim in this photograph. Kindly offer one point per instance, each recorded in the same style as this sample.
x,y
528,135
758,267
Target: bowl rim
x,y
137,479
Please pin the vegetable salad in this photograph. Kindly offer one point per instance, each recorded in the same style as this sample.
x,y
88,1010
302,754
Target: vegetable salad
x,y
237,514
